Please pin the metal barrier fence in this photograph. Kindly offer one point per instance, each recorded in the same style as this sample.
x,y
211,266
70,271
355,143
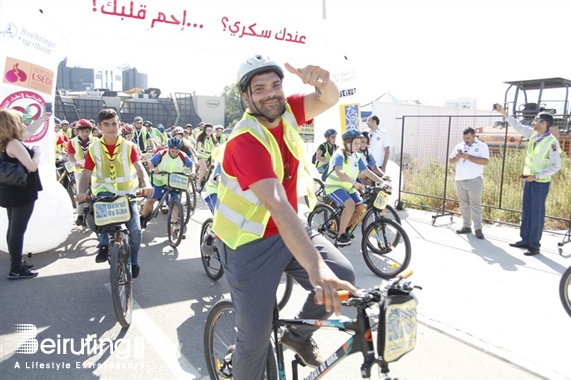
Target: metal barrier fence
x,y
427,178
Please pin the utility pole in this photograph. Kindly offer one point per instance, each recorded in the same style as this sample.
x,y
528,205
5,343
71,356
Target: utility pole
x,y
324,9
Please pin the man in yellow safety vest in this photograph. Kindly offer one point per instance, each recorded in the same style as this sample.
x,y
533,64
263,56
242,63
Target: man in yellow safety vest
x,y
114,164
256,214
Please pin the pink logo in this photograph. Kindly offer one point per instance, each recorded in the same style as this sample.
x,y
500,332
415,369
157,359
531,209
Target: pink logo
x,y
30,105
16,75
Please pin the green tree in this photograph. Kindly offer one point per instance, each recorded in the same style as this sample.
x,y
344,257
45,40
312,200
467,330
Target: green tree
x,y
233,111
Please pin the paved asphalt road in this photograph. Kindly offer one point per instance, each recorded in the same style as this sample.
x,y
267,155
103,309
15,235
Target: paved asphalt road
x,y
473,325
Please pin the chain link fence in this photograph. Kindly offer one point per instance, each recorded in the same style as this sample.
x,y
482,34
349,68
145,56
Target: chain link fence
x,y
427,178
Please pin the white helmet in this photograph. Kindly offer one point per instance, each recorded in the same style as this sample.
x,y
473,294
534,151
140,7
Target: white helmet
x,y
256,65
177,131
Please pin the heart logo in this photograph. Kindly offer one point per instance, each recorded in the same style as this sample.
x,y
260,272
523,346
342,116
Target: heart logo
x,y
31,113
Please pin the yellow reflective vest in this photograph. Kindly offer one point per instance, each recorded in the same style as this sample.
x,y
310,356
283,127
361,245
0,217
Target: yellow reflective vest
x,y
170,165
537,158
239,216
350,167
79,152
115,174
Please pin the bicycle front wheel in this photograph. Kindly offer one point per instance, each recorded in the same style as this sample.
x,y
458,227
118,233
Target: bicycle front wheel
x,y
323,220
175,224
565,290
372,213
220,340
188,201
210,260
121,283
386,248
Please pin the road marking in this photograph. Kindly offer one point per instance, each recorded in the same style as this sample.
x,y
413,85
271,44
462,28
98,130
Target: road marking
x,y
175,361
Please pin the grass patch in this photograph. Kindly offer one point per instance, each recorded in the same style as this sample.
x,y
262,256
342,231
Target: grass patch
x,y
500,193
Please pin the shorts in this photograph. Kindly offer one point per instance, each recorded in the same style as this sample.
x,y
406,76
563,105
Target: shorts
x,y
159,191
339,196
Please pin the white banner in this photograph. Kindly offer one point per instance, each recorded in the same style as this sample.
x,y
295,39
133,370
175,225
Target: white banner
x,y
31,51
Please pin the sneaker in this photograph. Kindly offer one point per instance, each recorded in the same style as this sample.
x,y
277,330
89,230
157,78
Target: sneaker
x,y
26,265
343,240
479,234
464,230
135,268
80,221
24,274
307,350
351,236
103,255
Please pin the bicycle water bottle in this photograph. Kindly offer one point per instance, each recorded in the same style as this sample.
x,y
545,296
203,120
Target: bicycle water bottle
x,y
382,199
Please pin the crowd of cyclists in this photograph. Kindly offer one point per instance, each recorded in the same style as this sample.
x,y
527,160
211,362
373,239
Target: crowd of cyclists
x,y
191,146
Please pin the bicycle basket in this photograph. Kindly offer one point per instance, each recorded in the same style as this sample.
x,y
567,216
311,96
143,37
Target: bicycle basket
x,y
397,325
111,212
178,181
382,199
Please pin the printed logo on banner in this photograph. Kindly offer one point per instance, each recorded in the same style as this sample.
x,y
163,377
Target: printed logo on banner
x,y
10,31
27,75
350,116
115,212
30,105
178,181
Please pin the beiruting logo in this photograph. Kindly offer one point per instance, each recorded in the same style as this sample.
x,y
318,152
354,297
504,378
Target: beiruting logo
x,y
90,345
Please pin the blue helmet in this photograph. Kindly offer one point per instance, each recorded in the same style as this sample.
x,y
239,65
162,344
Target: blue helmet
x,y
330,132
161,128
351,134
175,143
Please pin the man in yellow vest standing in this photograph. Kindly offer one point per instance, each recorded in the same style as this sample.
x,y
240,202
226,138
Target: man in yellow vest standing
x,y
76,151
256,214
542,161
113,164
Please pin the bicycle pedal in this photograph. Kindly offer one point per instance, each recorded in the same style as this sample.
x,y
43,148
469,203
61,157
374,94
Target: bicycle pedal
x,y
299,361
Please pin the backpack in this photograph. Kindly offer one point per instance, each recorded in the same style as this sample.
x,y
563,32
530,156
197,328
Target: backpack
x,y
314,157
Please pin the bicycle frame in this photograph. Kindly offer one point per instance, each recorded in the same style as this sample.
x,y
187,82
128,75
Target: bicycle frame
x,y
164,198
361,342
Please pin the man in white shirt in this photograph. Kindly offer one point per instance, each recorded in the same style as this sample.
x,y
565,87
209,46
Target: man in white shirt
x,y
379,143
470,157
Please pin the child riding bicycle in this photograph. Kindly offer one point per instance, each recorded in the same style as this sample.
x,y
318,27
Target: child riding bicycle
x,y
113,165
341,183
173,161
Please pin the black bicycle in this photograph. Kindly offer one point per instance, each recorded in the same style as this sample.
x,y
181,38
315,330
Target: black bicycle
x,y
565,290
213,267
395,323
177,184
209,169
107,215
65,174
385,245
369,196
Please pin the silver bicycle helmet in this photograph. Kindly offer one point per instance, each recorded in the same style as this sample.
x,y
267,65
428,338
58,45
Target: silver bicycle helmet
x,y
256,65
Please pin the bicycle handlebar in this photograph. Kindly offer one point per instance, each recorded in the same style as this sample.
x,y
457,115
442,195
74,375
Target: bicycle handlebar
x,y
374,294
95,198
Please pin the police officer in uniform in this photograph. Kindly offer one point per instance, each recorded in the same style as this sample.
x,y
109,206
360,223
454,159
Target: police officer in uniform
x,y
542,161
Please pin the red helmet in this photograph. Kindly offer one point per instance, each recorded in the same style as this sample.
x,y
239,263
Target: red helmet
x,y
127,129
82,124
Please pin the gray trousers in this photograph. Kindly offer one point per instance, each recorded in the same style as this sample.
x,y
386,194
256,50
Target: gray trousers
x,y
253,272
470,196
